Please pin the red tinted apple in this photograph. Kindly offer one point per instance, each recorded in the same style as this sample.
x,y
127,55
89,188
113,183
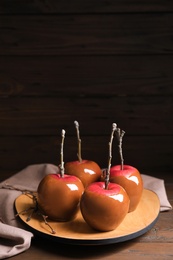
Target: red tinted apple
x,y
127,176
104,208
86,170
130,179
104,205
59,194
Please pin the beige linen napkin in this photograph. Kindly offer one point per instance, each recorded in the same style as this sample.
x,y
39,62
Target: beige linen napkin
x,y
14,238
158,186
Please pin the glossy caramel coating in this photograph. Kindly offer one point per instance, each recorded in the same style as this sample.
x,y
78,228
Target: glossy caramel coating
x,y
102,209
59,197
87,171
130,179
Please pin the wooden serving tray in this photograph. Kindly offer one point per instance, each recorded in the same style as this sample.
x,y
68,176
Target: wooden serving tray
x,y
78,232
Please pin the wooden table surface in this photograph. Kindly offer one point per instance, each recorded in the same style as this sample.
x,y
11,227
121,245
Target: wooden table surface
x,y
157,243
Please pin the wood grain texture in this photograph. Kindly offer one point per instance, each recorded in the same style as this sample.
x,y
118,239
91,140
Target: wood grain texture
x,y
95,63
91,6
146,153
86,76
123,251
111,34
136,115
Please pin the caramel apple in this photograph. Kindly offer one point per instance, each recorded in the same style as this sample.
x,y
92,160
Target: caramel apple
x,y
87,171
130,179
104,205
127,176
59,194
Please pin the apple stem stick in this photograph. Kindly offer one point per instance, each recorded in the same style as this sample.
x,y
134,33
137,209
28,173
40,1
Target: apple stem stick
x,y
79,141
62,160
114,127
120,133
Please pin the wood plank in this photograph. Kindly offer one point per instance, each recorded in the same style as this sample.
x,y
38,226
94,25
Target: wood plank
x,y
151,155
91,6
123,251
46,116
168,188
162,231
119,34
96,76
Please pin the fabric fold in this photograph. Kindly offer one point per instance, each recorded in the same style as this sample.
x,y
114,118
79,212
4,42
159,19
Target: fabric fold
x,y
13,240
158,186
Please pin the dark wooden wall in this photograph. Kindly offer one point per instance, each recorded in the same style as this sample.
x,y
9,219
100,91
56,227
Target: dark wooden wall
x,y
97,62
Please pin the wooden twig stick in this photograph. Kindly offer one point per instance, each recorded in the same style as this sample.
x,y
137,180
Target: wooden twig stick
x,y
62,153
79,141
114,127
120,133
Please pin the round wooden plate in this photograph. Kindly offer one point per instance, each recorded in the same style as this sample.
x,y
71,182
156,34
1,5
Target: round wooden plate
x,y
78,232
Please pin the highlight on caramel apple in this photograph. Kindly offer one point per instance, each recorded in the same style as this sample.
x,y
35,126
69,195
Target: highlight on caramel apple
x,y
86,170
103,204
59,194
127,176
